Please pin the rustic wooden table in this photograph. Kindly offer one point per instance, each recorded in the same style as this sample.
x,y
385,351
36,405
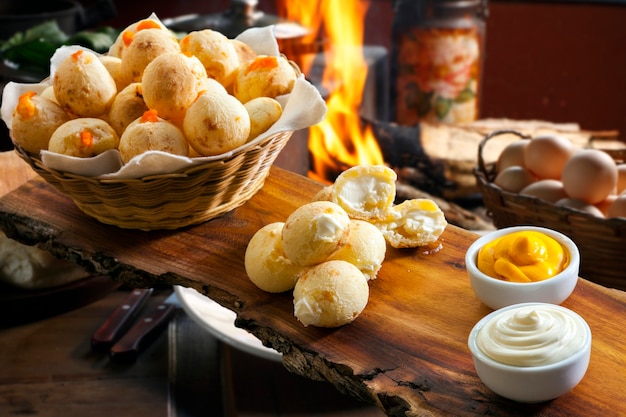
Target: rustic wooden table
x,y
406,353
50,370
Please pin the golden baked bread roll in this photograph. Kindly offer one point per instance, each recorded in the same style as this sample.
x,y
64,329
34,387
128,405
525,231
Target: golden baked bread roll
x,y
216,122
171,82
215,51
264,76
31,268
365,191
243,50
315,231
263,112
124,38
365,249
128,106
144,47
152,133
265,261
330,294
114,66
84,137
83,86
34,120
412,223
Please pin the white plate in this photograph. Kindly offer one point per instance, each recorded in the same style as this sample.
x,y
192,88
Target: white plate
x,y
220,322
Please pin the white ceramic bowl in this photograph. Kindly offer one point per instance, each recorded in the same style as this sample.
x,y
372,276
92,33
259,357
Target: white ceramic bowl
x,y
531,384
497,293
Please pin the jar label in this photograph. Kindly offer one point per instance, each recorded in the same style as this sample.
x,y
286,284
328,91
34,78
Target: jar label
x,y
438,75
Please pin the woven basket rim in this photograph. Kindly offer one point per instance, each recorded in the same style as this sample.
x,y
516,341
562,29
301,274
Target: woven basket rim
x,y
35,160
485,174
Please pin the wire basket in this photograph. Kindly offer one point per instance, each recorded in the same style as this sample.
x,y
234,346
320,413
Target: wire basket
x,y
601,241
174,200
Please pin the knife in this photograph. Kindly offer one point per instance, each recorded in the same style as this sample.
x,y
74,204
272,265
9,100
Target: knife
x,y
128,348
119,321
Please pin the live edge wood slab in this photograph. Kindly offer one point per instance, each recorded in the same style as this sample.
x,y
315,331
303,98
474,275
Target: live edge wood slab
x,y
407,351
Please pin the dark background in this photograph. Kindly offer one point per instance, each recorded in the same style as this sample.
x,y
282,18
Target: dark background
x,y
556,61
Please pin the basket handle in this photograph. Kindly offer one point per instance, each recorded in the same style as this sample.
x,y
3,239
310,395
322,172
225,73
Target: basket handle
x,y
483,143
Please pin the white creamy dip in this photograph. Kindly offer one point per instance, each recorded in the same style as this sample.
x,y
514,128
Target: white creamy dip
x,y
532,335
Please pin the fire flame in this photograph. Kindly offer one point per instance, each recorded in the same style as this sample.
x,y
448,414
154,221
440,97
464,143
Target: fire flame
x,y
339,141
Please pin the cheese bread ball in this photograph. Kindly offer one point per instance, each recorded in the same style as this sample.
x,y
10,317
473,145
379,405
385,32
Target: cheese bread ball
x,y
315,231
114,66
216,123
152,133
34,120
365,249
263,112
171,82
365,191
265,261
330,294
83,138
144,47
412,223
215,51
83,86
264,76
243,50
125,37
128,106
49,94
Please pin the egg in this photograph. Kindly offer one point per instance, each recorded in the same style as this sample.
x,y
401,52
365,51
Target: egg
x,y
621,178
548,190
512,155
605,204
514,179
580,205
618,207
590,175
545,156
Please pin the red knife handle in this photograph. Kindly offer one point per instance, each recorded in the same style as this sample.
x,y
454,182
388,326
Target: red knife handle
x,y
141,334
119,321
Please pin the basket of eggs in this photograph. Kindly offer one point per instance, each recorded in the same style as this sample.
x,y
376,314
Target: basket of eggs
x,y
166,130
546,181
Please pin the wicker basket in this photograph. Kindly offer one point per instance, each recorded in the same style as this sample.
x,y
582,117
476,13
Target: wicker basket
x,y
602,242
174,200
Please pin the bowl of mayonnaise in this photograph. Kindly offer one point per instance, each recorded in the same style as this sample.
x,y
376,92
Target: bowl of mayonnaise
x,y
531,352
522,264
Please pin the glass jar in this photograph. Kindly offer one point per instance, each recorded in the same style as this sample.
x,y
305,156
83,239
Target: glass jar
x,y
437,60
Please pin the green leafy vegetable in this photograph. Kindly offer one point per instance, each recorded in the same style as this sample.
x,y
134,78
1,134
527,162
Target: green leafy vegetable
x,y
32,49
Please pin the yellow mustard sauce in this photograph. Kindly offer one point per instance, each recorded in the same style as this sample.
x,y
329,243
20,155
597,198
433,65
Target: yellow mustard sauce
x,y
524,256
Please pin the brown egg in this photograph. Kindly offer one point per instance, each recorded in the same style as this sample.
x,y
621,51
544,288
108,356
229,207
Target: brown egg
x,y
618,207
546,155
514,179
580,205
621,178
590,175
605,204
512,155
549,190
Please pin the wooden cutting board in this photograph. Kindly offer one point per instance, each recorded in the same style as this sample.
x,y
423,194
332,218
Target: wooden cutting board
x,y
407,352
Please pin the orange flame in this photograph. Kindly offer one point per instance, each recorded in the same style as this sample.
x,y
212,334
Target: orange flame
x,y
339,141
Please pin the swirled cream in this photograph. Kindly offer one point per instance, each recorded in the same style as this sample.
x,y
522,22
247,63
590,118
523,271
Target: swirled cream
x,y
532,335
